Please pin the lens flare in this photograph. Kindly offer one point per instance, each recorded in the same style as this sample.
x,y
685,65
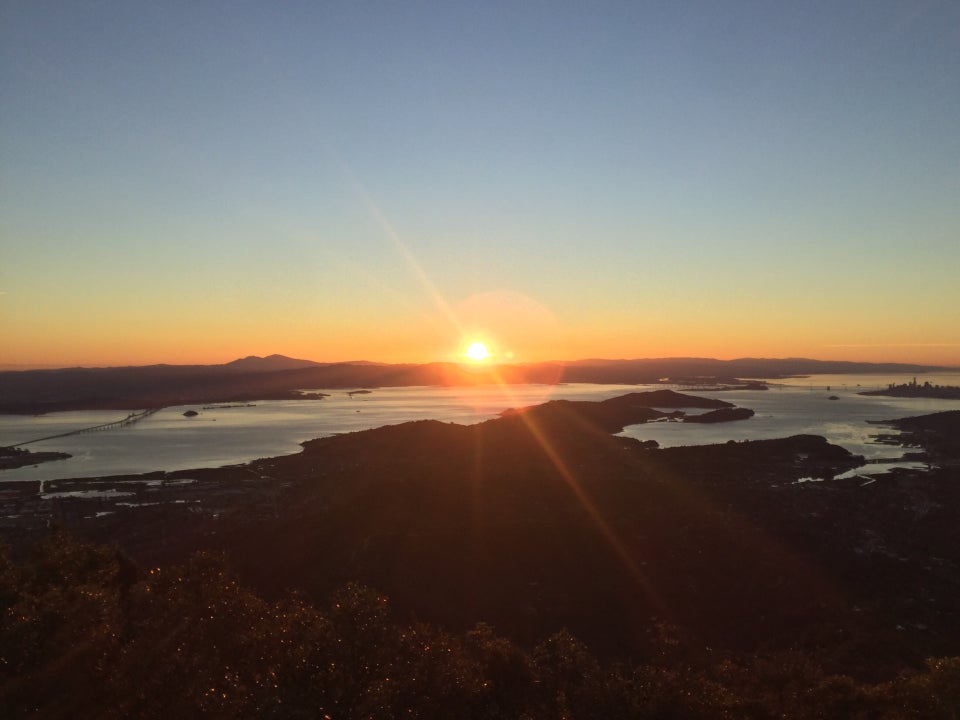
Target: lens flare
x,y
477,352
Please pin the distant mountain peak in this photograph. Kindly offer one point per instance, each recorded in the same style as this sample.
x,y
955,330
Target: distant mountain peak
x,y
255,363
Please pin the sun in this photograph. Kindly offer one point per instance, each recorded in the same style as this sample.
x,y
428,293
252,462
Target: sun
x,y
477,352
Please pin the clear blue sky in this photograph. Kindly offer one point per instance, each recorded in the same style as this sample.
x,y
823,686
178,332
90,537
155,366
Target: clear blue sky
x,y
195,181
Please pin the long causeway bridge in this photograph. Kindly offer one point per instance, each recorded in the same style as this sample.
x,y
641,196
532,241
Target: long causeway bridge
x,y
128,420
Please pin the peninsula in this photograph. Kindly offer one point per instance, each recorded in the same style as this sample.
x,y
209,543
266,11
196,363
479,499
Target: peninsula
x,y
916,389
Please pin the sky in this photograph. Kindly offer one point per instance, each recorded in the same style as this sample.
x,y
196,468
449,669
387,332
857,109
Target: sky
x,y
192,182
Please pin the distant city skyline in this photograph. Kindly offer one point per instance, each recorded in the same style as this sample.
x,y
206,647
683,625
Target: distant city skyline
x,y
193,183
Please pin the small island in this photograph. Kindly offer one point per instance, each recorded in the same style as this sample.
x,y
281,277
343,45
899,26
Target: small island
x,y
720,415
913,389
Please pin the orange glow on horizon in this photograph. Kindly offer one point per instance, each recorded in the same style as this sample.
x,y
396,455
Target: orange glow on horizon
x,y
513,327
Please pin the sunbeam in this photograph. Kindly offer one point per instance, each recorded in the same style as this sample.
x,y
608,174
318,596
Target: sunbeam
x,y
608,534
436,297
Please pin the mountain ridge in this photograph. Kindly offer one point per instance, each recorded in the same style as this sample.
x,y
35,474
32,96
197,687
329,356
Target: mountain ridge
x,y
269,363
278,377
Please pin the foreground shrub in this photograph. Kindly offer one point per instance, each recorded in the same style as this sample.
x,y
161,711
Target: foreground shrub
x,y
84,635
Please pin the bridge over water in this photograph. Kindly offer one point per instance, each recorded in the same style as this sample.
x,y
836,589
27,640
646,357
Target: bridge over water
x,y
128,420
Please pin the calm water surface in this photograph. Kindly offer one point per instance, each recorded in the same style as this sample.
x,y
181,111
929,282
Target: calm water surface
x,y
803,406
169,441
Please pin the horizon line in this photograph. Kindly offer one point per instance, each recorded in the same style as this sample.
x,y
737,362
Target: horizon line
x,y
26,367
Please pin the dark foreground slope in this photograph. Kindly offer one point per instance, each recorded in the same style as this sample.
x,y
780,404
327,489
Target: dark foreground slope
x,y
538,527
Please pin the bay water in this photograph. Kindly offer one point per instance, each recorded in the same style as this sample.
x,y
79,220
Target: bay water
x,y
168,440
